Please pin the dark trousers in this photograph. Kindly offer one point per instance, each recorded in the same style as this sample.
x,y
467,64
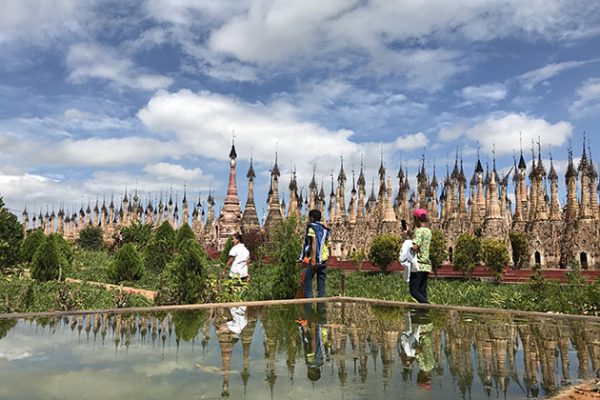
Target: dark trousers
x,y
418,286
321,273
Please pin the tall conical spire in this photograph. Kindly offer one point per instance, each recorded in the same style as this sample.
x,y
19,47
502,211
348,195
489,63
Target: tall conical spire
x,y
230,218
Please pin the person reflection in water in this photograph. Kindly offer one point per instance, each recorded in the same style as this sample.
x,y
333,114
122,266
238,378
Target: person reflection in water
x,y
315,339
416,344
229,333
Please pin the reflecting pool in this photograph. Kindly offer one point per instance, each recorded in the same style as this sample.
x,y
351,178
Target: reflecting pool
x,y
326,350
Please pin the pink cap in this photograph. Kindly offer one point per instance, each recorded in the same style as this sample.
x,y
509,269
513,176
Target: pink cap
x,y
420,213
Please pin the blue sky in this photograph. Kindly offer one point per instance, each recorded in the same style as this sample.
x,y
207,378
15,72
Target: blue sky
x,y
97,96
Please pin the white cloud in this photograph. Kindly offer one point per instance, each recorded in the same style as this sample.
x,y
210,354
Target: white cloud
x,y
502,132
167,171
202,122
488,93
451,132
588,101
532,78
94,61
37,19
109,152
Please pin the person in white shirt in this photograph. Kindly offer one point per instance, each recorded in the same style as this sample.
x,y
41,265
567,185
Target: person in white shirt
x,y
238,259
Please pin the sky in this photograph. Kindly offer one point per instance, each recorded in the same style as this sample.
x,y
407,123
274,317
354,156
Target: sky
x,y
99,97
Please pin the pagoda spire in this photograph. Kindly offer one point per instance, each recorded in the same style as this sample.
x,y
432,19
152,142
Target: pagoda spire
x,y
230,218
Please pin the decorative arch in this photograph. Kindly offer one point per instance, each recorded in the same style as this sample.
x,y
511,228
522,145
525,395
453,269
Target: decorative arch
x,y
450,254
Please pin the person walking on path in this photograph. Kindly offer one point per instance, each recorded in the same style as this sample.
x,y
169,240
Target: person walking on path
x,y
315,253
421,241
238,259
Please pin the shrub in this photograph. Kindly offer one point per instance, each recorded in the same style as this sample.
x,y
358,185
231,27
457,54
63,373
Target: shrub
x,y
91,238
225,252
165,232
466,254
519,244
284,247
184,233
127,264
184,281
437,250
138,234
31,244
188,323
49,259
157,255
495,256
11,235
384,250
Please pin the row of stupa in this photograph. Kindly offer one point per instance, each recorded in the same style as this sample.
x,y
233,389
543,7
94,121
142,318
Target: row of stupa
x,y
558,235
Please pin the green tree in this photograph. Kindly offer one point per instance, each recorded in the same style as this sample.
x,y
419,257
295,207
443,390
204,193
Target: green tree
x,y
49,259
285,243
127,264
466,254
184,233
519,244
495,256
159,251
188,323
165,232
31,243
11,235
184,281
225,252
91,238
384,249
437,249
138,234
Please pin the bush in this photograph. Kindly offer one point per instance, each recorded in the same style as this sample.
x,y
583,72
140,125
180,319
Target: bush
x,y
157,255
184,281
466,254
11,235
91,238
184,233
31,244
384,250
225,252
49,260
437,250
519,244
127,264
495,256
188,323
137,233
165,232
285,244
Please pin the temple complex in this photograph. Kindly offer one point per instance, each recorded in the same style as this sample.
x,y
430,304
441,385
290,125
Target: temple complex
x,y
558,235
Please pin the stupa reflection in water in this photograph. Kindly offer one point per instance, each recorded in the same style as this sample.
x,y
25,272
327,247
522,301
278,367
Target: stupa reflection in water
x,y
351,348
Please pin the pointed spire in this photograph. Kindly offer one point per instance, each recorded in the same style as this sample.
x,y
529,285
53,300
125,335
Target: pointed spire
x,y
361,176
342,174
275,170
251,174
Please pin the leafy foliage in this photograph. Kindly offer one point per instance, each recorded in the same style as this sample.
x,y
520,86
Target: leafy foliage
x,y
127,264
225,252
495,256
31,244
165,232
188,323
384,250
91,238
11,235
519,244
437,249
49,259
184,281
137,233
466,253
183,233
285,245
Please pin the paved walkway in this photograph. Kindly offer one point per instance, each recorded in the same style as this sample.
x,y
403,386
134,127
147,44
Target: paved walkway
x,y
149,294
